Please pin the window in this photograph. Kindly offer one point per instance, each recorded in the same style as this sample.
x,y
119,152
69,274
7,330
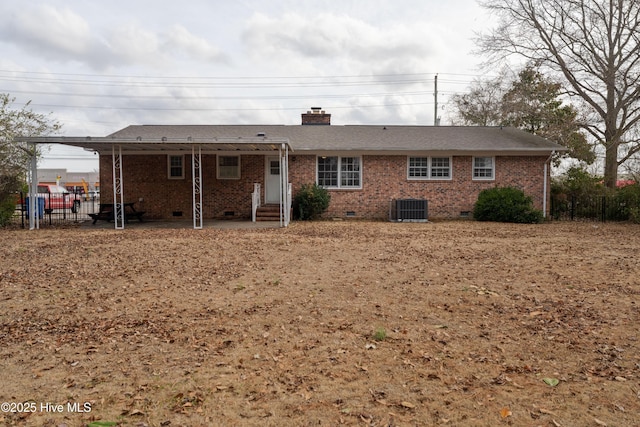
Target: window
x,y
328,171
350,172
340,172
228,167
429,168
274,167
483,168
418,167
175,167
440,168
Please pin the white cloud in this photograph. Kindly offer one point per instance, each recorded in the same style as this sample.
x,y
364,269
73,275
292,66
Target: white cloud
x,y
183,43
50,32
129,45
350,45
61,35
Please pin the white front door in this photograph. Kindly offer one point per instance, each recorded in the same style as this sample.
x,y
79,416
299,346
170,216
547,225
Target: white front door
x,y
272,181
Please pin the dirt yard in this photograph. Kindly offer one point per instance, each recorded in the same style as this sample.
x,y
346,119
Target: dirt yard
x,y
322,324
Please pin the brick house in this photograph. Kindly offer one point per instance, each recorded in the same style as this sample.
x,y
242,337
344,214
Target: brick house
x,y
218,171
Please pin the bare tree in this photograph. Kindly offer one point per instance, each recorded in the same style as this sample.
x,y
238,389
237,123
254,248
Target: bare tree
x,y
595,46
482,105
528,101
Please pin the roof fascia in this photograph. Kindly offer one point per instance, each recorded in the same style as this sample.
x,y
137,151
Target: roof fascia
x,y
443,153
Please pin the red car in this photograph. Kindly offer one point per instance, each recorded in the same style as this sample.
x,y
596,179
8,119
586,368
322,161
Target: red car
x,y
57,197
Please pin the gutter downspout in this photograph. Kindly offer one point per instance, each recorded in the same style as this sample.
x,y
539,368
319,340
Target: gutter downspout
x,y
545,185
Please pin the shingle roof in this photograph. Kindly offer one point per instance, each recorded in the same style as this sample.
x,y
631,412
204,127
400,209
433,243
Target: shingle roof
x,y
366,138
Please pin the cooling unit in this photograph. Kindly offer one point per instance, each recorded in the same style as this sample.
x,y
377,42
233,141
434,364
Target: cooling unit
x,y
411,210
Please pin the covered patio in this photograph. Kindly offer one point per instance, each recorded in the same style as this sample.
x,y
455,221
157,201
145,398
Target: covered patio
x,y
119,148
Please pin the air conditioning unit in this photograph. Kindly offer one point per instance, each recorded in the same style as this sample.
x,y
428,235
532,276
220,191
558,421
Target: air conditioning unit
x,y
410,210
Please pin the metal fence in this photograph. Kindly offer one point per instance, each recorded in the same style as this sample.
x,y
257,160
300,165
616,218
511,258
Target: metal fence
x,y
592,208
56,216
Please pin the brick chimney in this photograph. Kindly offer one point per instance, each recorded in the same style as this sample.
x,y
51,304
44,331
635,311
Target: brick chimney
x,y
316,116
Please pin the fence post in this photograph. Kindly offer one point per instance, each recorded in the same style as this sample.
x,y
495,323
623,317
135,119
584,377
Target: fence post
x,y
22,208
50,210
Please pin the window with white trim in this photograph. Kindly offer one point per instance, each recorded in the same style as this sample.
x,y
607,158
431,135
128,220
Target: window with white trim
x,y
440,168
429,168
175,166
228,167
483,168
418,167
339,172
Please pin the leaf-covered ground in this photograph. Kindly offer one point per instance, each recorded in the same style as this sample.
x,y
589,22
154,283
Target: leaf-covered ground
x,y
327,323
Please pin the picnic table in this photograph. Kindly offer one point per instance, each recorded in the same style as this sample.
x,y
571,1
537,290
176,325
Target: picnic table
x,y
107,212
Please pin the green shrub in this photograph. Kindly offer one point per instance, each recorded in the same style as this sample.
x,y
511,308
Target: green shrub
x,y
623,204
634,215
310,201
578,182
7,209
505,204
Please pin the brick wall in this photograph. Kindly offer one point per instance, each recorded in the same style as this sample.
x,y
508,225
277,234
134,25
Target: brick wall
x,y
384,178
145,177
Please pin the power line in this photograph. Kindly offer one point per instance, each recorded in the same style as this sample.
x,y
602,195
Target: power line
x,y
125,84
217,82
102,107
124,76
217,97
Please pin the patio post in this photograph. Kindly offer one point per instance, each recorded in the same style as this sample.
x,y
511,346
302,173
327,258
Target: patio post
x,y
196,173
34,219
118,187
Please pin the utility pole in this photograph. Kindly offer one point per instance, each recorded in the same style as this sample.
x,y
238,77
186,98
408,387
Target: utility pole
x,y
435,96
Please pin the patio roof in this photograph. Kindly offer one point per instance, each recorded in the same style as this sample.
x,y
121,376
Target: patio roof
x,y
104,145
315,139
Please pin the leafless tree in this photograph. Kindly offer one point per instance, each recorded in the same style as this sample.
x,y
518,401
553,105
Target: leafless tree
x,y
527,101
595,46
482,105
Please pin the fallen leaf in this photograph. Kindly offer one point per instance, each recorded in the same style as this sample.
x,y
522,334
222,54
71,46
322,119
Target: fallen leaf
x,y
407,405
551,381
600,423
505,412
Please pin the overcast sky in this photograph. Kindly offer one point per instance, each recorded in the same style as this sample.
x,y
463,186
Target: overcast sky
x,y
99,66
